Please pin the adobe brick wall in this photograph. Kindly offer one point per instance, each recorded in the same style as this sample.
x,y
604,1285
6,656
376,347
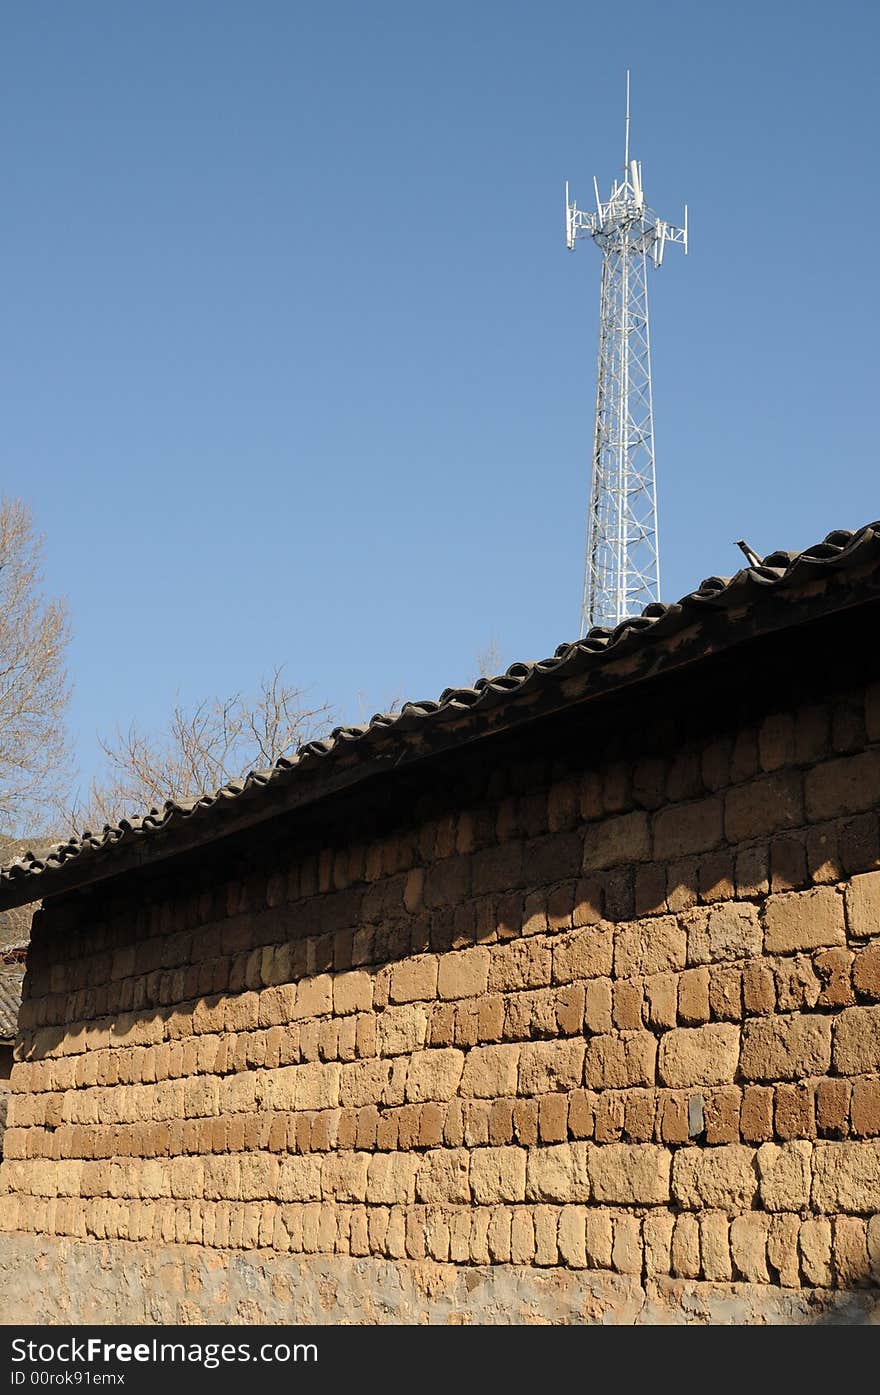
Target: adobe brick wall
x,y
605,998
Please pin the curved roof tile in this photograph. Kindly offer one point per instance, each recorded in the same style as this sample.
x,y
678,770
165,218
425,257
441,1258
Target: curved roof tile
x,y
656,623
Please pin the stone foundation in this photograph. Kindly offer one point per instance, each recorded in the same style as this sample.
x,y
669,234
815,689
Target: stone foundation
x,y
58,1280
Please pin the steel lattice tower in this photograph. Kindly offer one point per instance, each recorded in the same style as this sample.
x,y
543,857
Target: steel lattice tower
x,y
622,564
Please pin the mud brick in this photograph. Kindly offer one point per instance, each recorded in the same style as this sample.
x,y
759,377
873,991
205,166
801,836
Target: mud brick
x,y
648,784
509,915
764,806
866,972
501,1121
722,1111
865,1110
834,968
619,894
661,994
693,997
431,1123
347,1128
467,1024
387,1131
850,1249
560,906
563,806
776,741
453,1129
490,1018
570,1008
581,1114
367,1127
476,1123
843,786
859,844
812,732
797,985
609,1116
441,1030
690,828
759,989
795,1111
756,1114
681,884
725,992
639,1111
612,842
788,864
627,1005
848,724
752,871
650,889
715,876
464,925
525,1122
553,1118
832,1108
408,1125
683,779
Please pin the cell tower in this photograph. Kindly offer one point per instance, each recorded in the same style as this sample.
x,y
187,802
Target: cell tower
x,y
622,564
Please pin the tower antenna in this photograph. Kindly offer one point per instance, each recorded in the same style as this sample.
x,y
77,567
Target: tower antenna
x,y
626,144
622,564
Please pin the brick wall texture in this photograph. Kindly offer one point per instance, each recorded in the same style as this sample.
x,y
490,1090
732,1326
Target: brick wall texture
x,y
610,1002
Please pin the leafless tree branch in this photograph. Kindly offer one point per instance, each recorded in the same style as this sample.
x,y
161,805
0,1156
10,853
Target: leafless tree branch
x,y
204,746
34,691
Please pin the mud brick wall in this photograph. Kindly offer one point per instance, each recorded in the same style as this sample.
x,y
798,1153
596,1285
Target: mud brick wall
x,y
605,996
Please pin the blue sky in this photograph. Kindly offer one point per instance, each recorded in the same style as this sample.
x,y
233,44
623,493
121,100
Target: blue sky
x,y
295,368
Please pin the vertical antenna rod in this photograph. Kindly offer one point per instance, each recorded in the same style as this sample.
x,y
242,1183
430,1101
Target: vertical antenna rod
x,y
622,565
626,146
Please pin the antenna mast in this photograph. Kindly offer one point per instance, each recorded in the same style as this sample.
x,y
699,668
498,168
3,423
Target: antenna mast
x,y
622,565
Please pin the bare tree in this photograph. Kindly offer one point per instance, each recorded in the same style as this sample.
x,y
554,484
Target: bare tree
x,y
204,747
34,692
489,660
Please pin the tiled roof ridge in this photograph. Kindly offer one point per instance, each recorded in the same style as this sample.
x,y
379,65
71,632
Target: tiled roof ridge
x,y
777,569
